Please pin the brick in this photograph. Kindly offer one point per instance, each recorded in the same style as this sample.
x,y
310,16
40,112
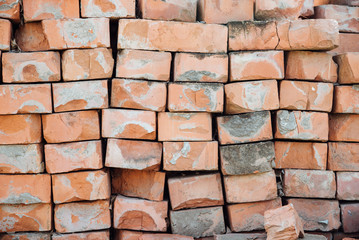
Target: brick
x,y
201,222
190,67
131,235
348,72
25,189
320,235
184,127
314,66
312,96
109,9
136,155
6,30
80,186
70,127
133,124
138,64
347,183
135,183
350,217
138,214
29,98
190,156
20,129
242,97
344,127
348,42
256,65
309,183
77,33
250,188
67,157
346,99
195,191
195,97
37,10
250,216
21,67
321,2
171,36
341,235
19,218
80,95
26,236
307,8
297,125
343,156
10,9
101,235
82,216
241,236
345,2
21,158
301,155
222,12
321,215
138,94
247,158
244,128
85,64
278,10
30,37
174,10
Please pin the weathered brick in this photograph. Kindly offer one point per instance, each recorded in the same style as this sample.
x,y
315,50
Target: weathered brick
x,y
26,236
241,236
101,235
344,127
346,99
343,156
131,235
344,236
348,42
6,30
307,8
350,217
348,72
347,183
109,9
321,2
10,9
30,37
345,2
276,9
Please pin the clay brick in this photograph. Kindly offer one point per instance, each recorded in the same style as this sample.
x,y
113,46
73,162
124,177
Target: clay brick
x,y
110,9
121,123
82,216
251,96
67,157
241,236
6,30
10,9
347,183
302,155
101,235
256,65
343,156
314,66
348,71
348,42
350,217
30,37
23,67
26,236
137,155
190,67
243,128
20,129
344,127
247,158
135,183
77,33
184,126
29,98
190,156
138,214
222,12
321,2
171,36
21,158
71,126
309,183
319,236
345,2
201,222
174,10
195,191
130,235
80,95
278,10
245,217
346,99
297,125
250,188
298,95
80,186
307,8
195,97
37,10
85,64
19,218
138,94
138,64
321,215
341,235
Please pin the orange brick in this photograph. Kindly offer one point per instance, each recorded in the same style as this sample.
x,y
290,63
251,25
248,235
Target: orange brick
x,y
348,42
177,37
344,127
6,30
343,156
131,235
349,215
30,37
345,2
321,2
101,235
346,99
307,8
275,9
348,72
20,129
10,9
109,9
346,186
26,236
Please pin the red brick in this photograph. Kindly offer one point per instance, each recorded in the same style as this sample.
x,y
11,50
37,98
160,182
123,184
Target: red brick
x,y
245,217
142,184
29,98
138,214
10,9
343,156
345,2
348,72
30,37
171,36
250,188
341,235
21,67
131,235
346,99
350,217
348,42
344,127
6,30
309,183
275,9
109,9
133,124
82,216
26,236
321,2
347,183
70,127
101,235
137,155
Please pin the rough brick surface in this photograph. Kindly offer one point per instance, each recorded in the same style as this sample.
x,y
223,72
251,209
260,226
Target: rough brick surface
x,y
346,186
348,42
10,9
31,37
350,213
344,127
5,27
348,73
108,8
343,156
132,235
101,235
346,99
